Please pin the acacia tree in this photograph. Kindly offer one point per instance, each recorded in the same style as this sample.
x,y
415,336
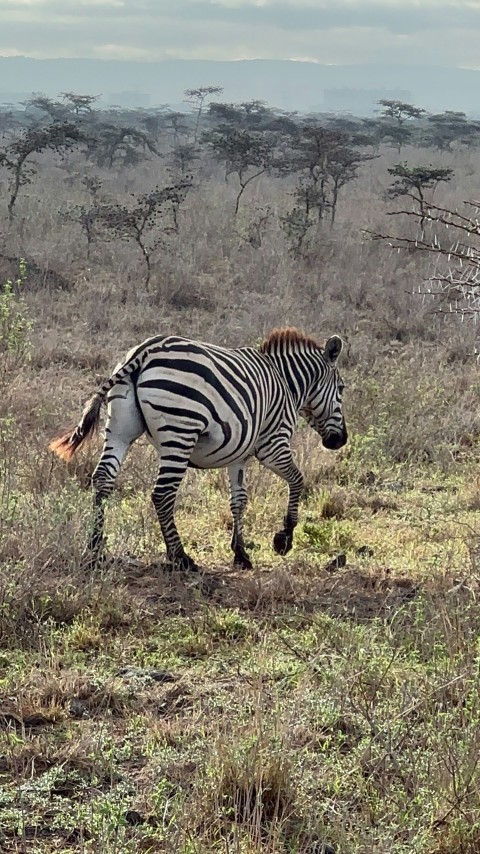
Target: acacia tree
x,y
176,121
184,156
399,113
359,131
81,105
55,110
452,239
313,151
71,104
58,137
226,114
252,115
413,181
255,114
197,98
247,154
326,163
117,144
342,168
154,121
152,216
9,119
86,215
445,129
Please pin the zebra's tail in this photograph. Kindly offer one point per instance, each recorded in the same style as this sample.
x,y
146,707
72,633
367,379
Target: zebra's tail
x,y
69,443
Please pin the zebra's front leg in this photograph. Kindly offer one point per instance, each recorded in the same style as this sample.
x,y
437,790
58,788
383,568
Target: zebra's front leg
x,y
281,462
170,476
238,502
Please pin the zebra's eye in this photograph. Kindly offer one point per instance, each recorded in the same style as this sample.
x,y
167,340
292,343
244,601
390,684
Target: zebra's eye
x,y
341,387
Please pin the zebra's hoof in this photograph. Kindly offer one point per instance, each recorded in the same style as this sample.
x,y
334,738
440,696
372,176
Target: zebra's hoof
x,y
242,561
183,563
282,542
91,559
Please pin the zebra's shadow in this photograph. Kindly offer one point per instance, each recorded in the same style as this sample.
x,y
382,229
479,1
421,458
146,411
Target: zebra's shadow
x,y
354,592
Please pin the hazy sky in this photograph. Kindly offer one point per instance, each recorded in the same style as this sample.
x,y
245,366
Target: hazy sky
x,y
434,32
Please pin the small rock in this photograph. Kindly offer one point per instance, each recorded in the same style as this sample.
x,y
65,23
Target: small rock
x,y
133,817
322,848
365,551
149,673
161,675
377,504
337,563
130,561
77,835
77,709
393,485
38,719
411,593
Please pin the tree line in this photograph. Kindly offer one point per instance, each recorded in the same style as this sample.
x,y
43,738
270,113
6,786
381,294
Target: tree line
x,y
323,153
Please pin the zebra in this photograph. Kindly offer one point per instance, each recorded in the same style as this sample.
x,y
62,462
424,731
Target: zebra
x,y
205,406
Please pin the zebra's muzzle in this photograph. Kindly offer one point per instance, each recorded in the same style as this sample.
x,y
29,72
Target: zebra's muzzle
x,y
334,441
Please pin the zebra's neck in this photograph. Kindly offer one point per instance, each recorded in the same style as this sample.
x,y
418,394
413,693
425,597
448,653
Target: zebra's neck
x,y
295,368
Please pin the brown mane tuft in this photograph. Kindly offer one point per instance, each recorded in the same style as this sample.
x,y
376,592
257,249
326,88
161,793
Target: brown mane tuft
x,y
288,335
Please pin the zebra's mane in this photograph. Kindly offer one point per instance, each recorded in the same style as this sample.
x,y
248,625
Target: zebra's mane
x,y
288,336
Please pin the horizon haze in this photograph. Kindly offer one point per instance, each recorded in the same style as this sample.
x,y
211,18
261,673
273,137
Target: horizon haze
x,y
289,53
283,84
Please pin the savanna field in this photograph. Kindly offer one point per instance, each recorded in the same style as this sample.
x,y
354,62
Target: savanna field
x,y
322,702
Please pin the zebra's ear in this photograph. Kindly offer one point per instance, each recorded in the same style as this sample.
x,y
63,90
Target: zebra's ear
x,y
333,348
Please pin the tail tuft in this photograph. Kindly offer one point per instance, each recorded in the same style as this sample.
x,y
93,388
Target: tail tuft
x,y
65,446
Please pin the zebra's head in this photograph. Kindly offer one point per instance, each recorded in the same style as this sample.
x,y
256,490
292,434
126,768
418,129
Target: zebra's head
x,y
323,407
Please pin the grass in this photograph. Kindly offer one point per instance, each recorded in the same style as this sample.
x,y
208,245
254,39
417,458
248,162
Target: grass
x,y
311,704
253,711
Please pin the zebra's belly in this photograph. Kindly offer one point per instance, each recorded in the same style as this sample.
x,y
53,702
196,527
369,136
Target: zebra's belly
x,y
227,430
220,447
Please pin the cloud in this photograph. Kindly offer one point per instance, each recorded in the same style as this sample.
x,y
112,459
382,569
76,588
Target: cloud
x,y
328,31
398,16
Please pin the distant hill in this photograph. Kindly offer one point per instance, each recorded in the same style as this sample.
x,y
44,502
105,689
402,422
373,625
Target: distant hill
x,y
284,84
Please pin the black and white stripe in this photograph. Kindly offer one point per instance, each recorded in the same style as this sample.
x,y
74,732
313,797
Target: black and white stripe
x,y
211,407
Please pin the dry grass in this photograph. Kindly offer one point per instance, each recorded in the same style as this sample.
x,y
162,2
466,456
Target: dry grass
x,y
302,704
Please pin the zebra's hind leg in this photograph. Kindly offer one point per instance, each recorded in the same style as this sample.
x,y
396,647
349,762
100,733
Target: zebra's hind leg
x,y
103,482
238,501
281,462
124,425
175,453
